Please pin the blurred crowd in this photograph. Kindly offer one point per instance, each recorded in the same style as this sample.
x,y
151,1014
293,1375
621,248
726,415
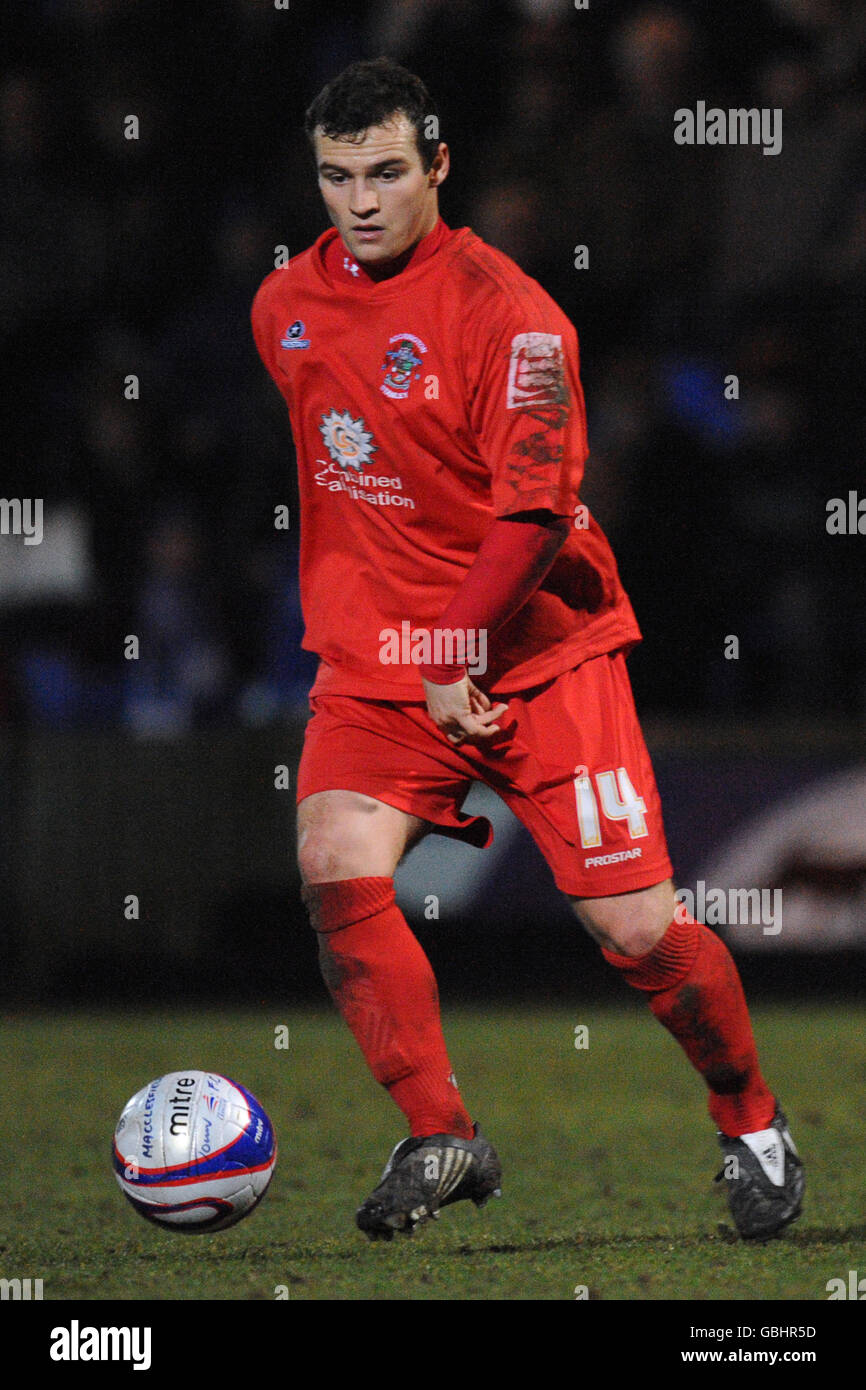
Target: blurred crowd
x,y
136,405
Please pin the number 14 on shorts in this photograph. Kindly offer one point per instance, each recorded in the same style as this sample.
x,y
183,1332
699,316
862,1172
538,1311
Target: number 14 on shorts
x,y
616,799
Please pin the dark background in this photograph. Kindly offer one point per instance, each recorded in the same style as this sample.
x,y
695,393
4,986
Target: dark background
x,y
121,257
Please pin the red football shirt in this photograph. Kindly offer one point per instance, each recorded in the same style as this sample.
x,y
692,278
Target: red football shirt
x,y
423,407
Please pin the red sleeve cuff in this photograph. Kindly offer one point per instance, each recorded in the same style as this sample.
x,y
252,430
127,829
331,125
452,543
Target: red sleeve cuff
x,y
443,675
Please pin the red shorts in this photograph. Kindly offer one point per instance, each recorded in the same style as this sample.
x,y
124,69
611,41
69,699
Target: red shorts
x,y
575,771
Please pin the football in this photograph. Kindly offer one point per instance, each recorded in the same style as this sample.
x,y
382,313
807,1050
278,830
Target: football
x,y
194,1151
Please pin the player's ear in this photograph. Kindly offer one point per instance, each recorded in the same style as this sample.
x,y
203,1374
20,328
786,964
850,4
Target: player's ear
x,y
438,171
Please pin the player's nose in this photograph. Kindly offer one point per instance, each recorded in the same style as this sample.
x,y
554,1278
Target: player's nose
x,y
363,201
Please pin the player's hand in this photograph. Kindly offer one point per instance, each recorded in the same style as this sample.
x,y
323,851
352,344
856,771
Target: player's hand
x,y
462,712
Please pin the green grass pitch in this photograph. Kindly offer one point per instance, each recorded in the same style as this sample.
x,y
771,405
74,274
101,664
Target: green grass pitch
x,y
607,1150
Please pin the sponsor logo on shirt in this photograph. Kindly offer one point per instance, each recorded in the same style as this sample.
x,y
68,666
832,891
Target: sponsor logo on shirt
x,y
294,336
401,365
348,441
536,374
351,447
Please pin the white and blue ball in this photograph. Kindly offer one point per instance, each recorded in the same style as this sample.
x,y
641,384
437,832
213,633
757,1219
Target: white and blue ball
x,y
194,1151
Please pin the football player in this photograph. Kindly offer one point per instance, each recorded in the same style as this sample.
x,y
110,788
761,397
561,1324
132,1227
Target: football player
x,y
471,626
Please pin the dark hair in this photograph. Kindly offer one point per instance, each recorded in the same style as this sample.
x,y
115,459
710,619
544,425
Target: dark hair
x,y
372,93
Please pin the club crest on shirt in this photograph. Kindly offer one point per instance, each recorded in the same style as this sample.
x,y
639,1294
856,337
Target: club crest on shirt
x,y
536,373
401,365
348,441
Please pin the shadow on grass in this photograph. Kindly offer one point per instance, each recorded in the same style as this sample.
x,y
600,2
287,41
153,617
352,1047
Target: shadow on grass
x,y
254,1256
804,1236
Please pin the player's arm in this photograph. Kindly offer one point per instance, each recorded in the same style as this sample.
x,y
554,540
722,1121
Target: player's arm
x,y
526,412
512,560
261,322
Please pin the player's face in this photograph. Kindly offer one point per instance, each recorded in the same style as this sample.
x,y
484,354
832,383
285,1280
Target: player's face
x,y
378,195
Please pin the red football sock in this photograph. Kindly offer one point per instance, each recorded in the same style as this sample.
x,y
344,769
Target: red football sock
x,y
382,983
695,991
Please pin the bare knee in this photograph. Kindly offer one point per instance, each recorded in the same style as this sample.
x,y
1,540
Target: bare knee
x,y
629,924
345,834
